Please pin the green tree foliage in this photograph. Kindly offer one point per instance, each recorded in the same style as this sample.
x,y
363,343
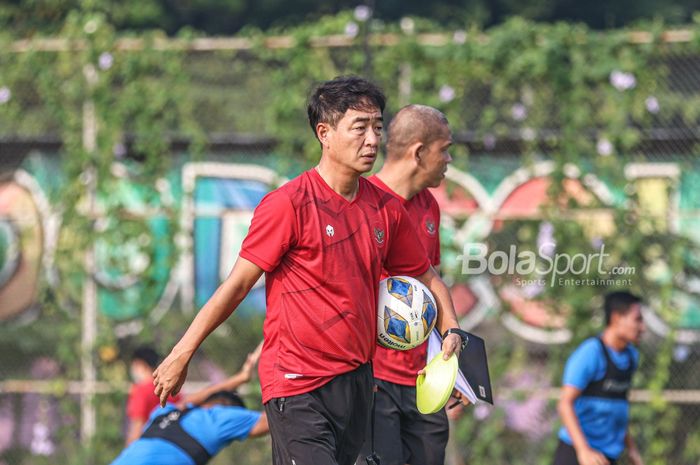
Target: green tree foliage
x,y
225,17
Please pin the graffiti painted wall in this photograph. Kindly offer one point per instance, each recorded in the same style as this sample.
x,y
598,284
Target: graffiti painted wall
x,y
140,277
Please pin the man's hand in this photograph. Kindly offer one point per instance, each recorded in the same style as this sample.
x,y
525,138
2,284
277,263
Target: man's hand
x,y
452,344
456,404
169,377
461,398
590,456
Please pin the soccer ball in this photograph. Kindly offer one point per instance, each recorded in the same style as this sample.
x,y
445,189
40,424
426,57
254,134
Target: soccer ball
x,y
406,313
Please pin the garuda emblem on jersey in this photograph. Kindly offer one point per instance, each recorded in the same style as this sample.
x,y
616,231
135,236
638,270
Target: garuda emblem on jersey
x,y
379,235
430,226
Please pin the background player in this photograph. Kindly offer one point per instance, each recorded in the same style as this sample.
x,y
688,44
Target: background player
x,y
597,378
205,423
141,400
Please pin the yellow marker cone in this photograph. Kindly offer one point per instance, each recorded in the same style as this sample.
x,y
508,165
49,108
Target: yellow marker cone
x,y
434,387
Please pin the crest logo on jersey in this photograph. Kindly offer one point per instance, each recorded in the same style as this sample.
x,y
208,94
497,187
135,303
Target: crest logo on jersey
x,y
430,226
379,235
330,231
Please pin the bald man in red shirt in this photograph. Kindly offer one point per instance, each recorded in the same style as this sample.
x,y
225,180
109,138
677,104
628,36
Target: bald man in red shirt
x,y
322,241
417,156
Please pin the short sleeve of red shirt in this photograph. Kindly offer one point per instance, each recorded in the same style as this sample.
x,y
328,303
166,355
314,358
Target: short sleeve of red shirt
x,y
406,255
271,232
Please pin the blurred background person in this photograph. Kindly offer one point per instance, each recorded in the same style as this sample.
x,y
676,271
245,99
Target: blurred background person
x,y
195,430
597,378
142,400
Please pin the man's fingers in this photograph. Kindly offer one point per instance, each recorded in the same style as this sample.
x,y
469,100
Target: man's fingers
x,y
462,398
158,389
600,459
450,346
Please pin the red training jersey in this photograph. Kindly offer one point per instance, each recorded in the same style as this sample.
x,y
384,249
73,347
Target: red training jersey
x,y
323,256
401,366
142,400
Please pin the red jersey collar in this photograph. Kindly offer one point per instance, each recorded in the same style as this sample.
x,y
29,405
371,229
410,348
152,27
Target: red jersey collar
x,y
322,182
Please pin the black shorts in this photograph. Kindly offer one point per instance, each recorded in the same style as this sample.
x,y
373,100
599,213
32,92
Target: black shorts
x,y
403,435
566,455
325,426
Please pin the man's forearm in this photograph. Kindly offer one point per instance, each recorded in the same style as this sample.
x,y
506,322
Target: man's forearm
x,y
446,317
215,311
171,373
571,423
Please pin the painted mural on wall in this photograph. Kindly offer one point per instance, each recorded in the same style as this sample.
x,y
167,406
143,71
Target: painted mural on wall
x,y
23,245
217,209
216,201
134,252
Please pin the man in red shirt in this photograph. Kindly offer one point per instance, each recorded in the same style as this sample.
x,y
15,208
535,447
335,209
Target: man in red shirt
x,y
322,239
417,156
141,399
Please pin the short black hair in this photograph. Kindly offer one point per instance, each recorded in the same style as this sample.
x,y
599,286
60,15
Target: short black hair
x,y
146,354
619,302
230,398
331,99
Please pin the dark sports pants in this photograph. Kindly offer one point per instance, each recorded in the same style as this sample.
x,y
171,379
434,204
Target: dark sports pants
x,y
566,455
403,435
325,426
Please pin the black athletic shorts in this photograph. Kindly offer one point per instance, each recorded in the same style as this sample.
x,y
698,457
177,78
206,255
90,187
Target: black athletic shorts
x,y
566,455
403,435
325,426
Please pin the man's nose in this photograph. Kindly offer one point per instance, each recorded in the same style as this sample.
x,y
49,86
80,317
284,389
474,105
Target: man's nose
x,y
373,138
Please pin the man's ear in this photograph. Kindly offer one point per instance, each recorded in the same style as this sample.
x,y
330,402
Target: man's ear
x,y
322,130
417,150
614,317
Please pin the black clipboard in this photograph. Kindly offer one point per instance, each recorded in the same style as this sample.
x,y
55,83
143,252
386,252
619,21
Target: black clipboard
x,y
475,368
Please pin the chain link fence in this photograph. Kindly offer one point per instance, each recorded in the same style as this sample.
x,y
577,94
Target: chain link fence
x,y
47,393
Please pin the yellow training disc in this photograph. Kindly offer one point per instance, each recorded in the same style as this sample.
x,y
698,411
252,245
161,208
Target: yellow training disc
x,y
433,388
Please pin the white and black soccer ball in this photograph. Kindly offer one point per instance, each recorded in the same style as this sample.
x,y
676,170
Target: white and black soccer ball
x,y
406,313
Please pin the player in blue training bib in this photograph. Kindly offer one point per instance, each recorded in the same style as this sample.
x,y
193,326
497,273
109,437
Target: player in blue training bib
x,y
593,405
194,433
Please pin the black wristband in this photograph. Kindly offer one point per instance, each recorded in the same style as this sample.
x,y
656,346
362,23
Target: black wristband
x,y
461,333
